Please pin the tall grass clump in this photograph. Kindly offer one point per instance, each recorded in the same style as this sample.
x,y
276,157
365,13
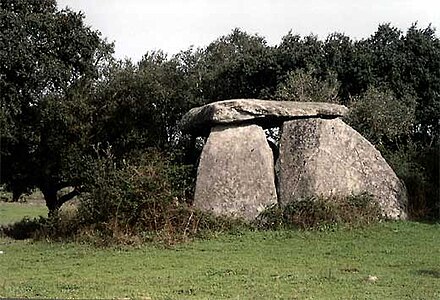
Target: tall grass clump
x,y
321,213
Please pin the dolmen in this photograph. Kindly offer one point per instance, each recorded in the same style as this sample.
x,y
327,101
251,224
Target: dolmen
x,y
318,155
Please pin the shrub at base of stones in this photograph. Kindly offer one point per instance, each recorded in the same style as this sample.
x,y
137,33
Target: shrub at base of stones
x,y
321,213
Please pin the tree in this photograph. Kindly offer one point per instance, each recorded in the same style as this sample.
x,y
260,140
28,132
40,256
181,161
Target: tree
x,y
382,118
409,65
141,104
49,61
421,71
405,123
238,65
340,54
295,53
302,86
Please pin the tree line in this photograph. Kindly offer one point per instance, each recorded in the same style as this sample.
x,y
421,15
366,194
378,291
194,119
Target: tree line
x,y
67,103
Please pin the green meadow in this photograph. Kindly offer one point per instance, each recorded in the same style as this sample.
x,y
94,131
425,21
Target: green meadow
x,y
390,260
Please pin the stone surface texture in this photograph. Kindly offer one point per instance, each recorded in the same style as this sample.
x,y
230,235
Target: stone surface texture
x,y
328,157
236,172
263,112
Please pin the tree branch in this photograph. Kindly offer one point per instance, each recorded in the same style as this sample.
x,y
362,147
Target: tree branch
x,y
63,199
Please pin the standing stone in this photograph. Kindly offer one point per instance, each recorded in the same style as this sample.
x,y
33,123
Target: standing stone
x,y
328,157
236,172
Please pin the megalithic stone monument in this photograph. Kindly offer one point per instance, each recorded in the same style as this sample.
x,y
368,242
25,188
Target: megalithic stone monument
x,y
319,155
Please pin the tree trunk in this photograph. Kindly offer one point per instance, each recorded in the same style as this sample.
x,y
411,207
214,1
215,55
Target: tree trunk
x,y
51,197
53,202
16,195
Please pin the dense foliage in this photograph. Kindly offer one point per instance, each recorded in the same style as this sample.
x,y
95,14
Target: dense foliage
x,y
48,61
65,103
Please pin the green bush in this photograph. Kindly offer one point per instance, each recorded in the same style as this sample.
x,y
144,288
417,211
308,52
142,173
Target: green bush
x,y
142,199
24,229
418,168
389,122
131,192
381,117
60,226
303,86
321,213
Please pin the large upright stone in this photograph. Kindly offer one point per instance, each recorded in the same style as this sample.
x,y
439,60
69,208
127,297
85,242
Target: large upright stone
x,y
236,172
262,112
325,157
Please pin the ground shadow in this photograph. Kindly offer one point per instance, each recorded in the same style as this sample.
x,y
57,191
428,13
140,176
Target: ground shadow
x,y
24,229
429,272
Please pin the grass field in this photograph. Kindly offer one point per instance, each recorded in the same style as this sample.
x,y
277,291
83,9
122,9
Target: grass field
x,y
15,211
403,256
